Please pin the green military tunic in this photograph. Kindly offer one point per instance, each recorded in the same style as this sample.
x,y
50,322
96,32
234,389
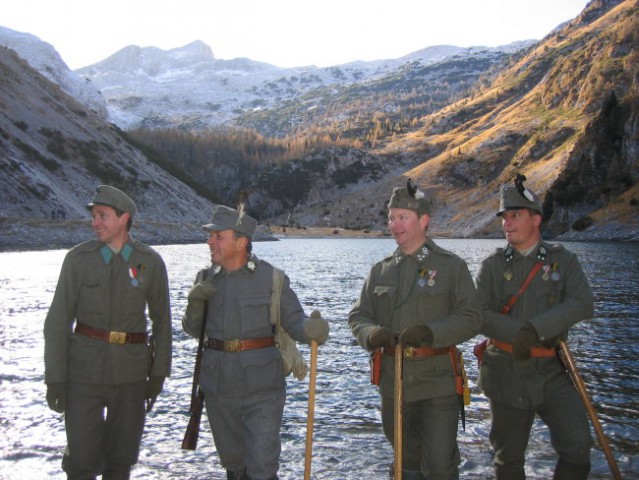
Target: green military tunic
x,y
432,286
558,297
111,292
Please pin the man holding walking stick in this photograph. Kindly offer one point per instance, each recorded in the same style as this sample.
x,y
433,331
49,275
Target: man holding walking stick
x,y
422,299
242,372
531,292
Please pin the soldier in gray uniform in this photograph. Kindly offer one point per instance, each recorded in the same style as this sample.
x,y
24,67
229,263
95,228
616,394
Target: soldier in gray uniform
x,y
520,371
423,297
97,365
242,373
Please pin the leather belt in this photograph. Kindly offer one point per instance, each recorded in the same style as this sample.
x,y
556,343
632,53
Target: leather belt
x,y
534,351
239,345
110,336
414,352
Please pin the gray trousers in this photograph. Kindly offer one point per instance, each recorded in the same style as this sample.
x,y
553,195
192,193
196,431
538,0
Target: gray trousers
x,y
104,425
566,418
246,431
429,437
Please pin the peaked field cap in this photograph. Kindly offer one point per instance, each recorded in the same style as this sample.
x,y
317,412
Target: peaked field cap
x,y
226,218
401,198
511,199
113,197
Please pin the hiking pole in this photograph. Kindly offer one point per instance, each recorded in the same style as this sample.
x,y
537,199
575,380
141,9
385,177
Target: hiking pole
x,y
569,363
311,411
399,398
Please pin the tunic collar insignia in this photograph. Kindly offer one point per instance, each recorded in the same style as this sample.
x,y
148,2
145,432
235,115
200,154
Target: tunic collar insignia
x,y
126,252
251,265
542,253
215,270
422,254
107,253
509,254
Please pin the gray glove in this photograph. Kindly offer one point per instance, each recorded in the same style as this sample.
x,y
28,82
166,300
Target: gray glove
x,y
202,290
199,293
316,328
381,337
153,388
57,396
416,335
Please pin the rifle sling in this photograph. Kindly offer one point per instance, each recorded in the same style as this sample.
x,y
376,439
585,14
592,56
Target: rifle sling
x,y
512,300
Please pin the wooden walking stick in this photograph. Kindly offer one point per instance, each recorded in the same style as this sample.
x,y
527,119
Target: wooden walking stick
x,y
399,398
311,411
569,363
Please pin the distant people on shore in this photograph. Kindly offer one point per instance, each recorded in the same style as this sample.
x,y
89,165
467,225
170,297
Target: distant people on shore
x,y
58,214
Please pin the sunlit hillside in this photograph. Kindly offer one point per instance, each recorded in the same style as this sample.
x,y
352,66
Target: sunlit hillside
x,y
564,114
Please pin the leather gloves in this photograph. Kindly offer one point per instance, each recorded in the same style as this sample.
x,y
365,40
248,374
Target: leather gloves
x,y
381,337
416,335
316,328
524,339
56,396
153,388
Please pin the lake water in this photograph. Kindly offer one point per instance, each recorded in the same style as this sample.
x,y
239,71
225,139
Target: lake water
x,y
327,274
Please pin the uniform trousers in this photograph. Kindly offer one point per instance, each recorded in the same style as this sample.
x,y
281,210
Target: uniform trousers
x,y
566,418
246,431
429,440
104,425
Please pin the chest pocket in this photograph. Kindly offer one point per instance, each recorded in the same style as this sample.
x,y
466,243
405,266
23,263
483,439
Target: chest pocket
x,y
383,301
433,301
255,314
549,293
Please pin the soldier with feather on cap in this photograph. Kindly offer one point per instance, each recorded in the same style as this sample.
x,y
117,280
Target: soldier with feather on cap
x,y
421,298
531,293
98,368
242,372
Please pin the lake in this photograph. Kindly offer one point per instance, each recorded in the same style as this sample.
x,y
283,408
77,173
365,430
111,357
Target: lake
x,y
327,275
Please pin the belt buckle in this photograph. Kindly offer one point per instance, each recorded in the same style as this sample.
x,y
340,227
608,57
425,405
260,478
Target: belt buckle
x,y
232,345
409,352
117,337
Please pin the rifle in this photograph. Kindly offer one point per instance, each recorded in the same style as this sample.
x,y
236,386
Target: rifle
x,y
571,366
189,442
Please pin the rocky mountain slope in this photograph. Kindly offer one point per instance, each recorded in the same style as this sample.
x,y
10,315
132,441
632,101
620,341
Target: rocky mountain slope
x,y
54,152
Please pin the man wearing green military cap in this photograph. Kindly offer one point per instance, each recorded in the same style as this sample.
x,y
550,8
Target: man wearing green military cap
x,y
242,372
422,299
531,292
98,367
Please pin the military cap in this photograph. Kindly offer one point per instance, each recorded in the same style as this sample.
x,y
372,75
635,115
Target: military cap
x,y
226,218
112,197
410,198
517,196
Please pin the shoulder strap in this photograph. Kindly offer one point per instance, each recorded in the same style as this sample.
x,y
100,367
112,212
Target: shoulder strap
x,y
278,280
512,300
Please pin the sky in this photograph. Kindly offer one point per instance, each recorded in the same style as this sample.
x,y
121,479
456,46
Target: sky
x,y
286,33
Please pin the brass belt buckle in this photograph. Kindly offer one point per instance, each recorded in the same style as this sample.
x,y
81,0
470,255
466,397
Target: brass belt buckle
x,y
232,346
409,352
117,337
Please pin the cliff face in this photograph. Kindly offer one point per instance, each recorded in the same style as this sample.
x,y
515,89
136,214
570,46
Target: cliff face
x,y
54,152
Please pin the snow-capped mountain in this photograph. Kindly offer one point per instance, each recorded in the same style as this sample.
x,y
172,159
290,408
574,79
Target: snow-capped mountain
x,y
189,87
43,57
